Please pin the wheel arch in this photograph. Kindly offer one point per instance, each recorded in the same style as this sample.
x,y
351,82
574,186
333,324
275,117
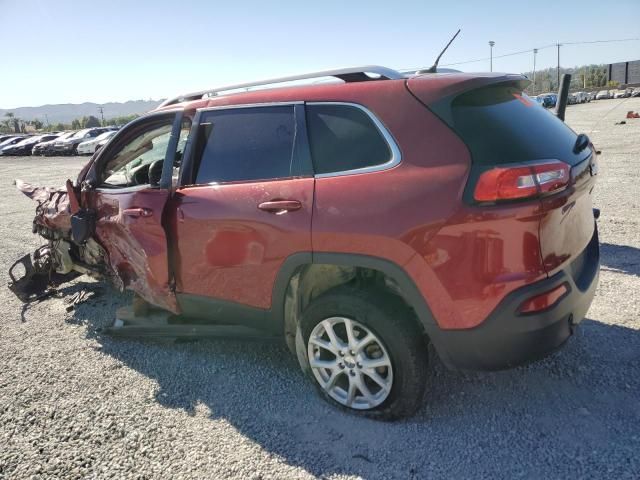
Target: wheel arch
x,y
285,309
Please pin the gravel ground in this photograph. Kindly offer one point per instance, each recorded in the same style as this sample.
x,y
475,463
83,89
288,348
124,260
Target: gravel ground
x,y
74,404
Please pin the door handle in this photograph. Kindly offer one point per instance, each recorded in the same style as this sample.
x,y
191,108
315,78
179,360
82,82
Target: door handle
x,y
138,212
280,206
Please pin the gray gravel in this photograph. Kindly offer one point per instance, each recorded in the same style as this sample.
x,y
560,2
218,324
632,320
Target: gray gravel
x,y
74,404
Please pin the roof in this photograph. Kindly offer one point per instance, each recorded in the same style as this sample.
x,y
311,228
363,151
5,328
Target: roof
x,y
357,84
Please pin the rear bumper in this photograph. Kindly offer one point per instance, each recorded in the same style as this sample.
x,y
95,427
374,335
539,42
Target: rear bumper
x,y
508,338
66,148
85,149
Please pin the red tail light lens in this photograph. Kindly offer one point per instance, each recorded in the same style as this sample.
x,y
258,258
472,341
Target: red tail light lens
x,y
544,301
511,183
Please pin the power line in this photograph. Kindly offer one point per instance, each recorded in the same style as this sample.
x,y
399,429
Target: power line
x,y
499,56
602,41
522,52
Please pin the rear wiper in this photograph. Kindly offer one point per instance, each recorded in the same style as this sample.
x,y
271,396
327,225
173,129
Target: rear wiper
x,y
582,142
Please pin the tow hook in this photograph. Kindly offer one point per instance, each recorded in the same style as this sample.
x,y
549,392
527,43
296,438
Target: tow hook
x,y
596,213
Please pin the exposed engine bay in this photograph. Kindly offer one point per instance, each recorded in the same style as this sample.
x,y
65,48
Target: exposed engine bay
x,y
62,258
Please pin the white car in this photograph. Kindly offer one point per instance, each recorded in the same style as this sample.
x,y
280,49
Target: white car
x,y
581,97
89,147
620,94
602,94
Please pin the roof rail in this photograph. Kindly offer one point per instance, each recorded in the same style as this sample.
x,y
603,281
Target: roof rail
x,y
351,74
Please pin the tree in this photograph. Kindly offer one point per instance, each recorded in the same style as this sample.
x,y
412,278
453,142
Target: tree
x,y
12,123
90,122
75,124
123,120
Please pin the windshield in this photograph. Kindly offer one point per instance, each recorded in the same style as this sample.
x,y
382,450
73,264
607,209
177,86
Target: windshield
x,y
81,133
27,141
10,141
105,135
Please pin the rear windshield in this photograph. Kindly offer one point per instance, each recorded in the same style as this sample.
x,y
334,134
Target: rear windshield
x,y
500,124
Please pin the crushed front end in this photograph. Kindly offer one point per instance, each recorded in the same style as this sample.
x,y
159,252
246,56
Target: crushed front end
x,y
61,259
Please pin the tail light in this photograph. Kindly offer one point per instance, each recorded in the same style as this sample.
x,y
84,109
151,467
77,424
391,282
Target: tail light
x,y
545,300
519,182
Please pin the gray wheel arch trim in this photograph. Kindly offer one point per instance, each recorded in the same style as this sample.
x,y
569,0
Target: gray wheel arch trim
x,y
410,291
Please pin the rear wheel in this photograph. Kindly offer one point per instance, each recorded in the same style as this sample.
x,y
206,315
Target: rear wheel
x,y
364,352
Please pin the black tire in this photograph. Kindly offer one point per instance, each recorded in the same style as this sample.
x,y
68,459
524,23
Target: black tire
x,y
389,318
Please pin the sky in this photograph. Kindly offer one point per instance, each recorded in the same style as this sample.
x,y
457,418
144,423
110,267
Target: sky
x,y
72,52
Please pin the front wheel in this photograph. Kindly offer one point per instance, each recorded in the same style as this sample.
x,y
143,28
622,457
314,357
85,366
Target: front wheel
x,y
364,352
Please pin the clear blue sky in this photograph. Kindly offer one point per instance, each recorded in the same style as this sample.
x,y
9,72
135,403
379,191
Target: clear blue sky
x,y
62,51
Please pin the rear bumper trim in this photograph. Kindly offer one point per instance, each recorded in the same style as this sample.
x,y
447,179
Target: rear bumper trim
x,y
508,338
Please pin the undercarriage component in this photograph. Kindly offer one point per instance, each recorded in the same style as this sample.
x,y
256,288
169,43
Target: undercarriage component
x,y
38,279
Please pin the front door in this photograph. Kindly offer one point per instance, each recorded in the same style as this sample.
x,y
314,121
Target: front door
x,y
133,180
244,206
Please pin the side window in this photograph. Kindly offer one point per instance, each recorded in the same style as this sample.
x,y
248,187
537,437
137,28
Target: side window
x,y
344,137
141,155
245,144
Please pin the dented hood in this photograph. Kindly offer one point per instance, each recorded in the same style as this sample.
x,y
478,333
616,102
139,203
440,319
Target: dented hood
x,y
53,209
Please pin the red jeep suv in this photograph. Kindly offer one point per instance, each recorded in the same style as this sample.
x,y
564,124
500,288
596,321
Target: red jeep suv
x,y
360,219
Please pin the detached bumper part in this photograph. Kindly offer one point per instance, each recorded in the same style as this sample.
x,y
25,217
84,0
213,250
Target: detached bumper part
x,y
37,280
510,337
33,284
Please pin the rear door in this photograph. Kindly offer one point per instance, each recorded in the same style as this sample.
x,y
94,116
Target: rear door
x,y
133,178
243,207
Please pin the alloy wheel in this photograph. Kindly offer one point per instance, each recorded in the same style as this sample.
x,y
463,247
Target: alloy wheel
x,y
350,363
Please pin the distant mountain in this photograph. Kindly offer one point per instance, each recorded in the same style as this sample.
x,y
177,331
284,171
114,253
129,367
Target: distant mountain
x,y
66,112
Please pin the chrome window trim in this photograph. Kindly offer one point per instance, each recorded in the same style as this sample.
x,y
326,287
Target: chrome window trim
x,y
396,156
249,105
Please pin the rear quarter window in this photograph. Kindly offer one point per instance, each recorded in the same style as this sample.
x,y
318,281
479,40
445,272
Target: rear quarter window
x,y
344,138
500,124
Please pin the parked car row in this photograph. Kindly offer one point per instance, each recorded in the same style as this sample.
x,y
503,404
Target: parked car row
x,y
579,97
629,92
81,142
549,100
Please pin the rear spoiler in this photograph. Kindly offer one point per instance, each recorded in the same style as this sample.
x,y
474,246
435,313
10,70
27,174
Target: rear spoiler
x,y
437,92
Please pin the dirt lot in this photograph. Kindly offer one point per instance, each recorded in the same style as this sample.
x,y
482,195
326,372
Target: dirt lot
x,y
75,404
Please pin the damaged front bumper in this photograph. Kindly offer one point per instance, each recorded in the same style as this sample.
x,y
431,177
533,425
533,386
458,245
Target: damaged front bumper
x,y
60,260
34,278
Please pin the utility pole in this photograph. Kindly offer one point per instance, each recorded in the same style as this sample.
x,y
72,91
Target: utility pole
x,y
101,114
491,44
558,45
535,52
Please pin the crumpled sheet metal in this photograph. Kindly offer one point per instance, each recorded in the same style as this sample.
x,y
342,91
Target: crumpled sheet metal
x,y
53,205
